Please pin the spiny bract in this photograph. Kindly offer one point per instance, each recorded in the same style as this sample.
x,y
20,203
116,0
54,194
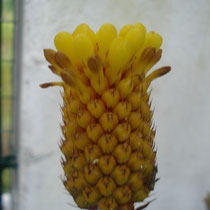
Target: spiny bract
x,y
108,146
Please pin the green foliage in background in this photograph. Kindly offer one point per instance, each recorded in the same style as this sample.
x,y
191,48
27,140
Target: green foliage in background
x,y
7,36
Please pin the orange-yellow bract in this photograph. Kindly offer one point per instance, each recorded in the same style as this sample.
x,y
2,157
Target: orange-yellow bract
x,y
109,159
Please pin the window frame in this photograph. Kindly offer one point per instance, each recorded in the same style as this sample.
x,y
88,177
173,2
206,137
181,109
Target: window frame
x,y
10,161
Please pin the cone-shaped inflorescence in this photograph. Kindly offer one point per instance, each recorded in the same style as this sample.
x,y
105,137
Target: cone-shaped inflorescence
x,y
108,146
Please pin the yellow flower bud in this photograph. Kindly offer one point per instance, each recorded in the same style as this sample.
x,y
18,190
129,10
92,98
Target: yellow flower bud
x,y
78,179
68,169
91,194
105,35
145,110
74,105
67,147
121,174
135,120
119,55
92,152
135,100
106,186
83,47
122,194
106,164
107,204
146,129
135,37
108,121
70,187
83,118
135,161
81,140
84,92
141,27
92,173
122,109
124,30
122,152
107,143
122,131
85,29
148,167
64,42
135,181
94,131
136,140
96,108
81,201
125,87
111,97
147,150
69,129
96,74
153,39
140,195
79,161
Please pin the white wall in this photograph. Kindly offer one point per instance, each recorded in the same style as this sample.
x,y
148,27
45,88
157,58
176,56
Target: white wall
x,y
181,98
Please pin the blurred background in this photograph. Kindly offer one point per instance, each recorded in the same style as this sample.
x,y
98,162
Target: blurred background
x,y
30,116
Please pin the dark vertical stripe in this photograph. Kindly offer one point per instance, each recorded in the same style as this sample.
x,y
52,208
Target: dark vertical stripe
x,y
9,161
1,168
18,10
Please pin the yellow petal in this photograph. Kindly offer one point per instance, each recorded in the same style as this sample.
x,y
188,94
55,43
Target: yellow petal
x,y
153,39
85,29
64,43
104,36
83,47
119,55
141,27
124,30
135,37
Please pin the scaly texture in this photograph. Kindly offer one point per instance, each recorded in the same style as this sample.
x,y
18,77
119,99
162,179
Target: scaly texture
x,y
108,159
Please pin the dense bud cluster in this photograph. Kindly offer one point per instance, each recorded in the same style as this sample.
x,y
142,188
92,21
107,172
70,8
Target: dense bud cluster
x,y
109,159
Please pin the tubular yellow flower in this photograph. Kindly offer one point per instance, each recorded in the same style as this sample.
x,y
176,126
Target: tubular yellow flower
x,y
108,145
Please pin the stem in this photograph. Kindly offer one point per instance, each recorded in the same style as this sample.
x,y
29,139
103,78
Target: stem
x,y
129,206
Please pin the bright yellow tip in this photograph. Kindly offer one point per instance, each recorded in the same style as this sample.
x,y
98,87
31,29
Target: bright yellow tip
x,y
119,55
83,47
64,43
85,29
124,30
141,27
104,37
135,37
153,39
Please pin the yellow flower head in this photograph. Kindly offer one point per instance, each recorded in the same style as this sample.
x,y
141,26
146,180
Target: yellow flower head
x,y
107,121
